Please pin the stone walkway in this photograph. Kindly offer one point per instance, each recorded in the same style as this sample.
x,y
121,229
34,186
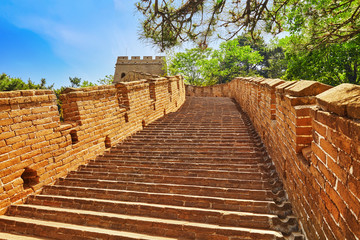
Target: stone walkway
x,y
199,173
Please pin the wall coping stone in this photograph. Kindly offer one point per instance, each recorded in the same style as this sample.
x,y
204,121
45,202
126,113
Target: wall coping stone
x,y
274,82
158,80
344,100
21,93
306,88
281,88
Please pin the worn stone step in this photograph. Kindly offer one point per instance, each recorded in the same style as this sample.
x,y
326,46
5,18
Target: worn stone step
x,y
166,175
168,211
185,152
123,169
171,164
140,224
259,194
189,148
247,140
112,162
189,143
194,131
198,136
236,159
60,230
183,180
218,203
159,140
9,236
185,143
192,128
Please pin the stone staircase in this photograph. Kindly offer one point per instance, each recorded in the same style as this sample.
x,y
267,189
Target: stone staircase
x,y
199,173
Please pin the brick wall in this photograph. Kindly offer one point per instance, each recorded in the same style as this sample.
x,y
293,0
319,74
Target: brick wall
x,y
36,148
125,66
312,133
135,76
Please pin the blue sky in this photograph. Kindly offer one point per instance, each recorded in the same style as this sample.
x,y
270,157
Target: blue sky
x,y
58,39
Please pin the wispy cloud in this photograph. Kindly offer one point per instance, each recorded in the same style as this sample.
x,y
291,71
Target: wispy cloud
x,y
58,32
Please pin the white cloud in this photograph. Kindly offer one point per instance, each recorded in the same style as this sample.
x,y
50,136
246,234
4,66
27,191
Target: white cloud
x,y
58,32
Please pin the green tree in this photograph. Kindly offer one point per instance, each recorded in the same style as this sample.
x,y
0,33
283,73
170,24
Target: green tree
x,y
8,83
87,84
107,80
273,64
207,67
168,23
75,82
335,64
229,61
189,64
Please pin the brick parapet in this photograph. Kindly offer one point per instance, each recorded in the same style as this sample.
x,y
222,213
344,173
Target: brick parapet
x,y
36,148
312,133
136,68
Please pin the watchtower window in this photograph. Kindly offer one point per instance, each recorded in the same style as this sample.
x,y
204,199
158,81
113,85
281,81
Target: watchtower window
x,y
123,75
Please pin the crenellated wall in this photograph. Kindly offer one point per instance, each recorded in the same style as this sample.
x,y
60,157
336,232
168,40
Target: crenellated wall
x,y
312,133
147,65
36,148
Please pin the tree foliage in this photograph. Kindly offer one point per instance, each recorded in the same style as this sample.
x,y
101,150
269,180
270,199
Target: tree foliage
x,y
189,64
209,66
107,80
169,22
336,64
273,64
8,83
231,60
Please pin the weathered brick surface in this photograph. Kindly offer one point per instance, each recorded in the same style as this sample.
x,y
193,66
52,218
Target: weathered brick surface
x,y
37,148
311,131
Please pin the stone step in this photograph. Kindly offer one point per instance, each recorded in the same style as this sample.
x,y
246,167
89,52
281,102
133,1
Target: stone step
x,y
192,214
162,138
123,169
247,192
114,173
177,164
220,131
236,159
159,140
197,135
195,128
140,224
9,236
249,153
114,178
60,230
187,146
117,163
185,143
209,202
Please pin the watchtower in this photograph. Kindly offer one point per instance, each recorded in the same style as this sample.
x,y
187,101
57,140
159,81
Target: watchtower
x,y
145,65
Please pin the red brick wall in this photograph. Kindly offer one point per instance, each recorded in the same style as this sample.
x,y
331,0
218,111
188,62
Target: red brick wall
x,y
36,148
312,133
